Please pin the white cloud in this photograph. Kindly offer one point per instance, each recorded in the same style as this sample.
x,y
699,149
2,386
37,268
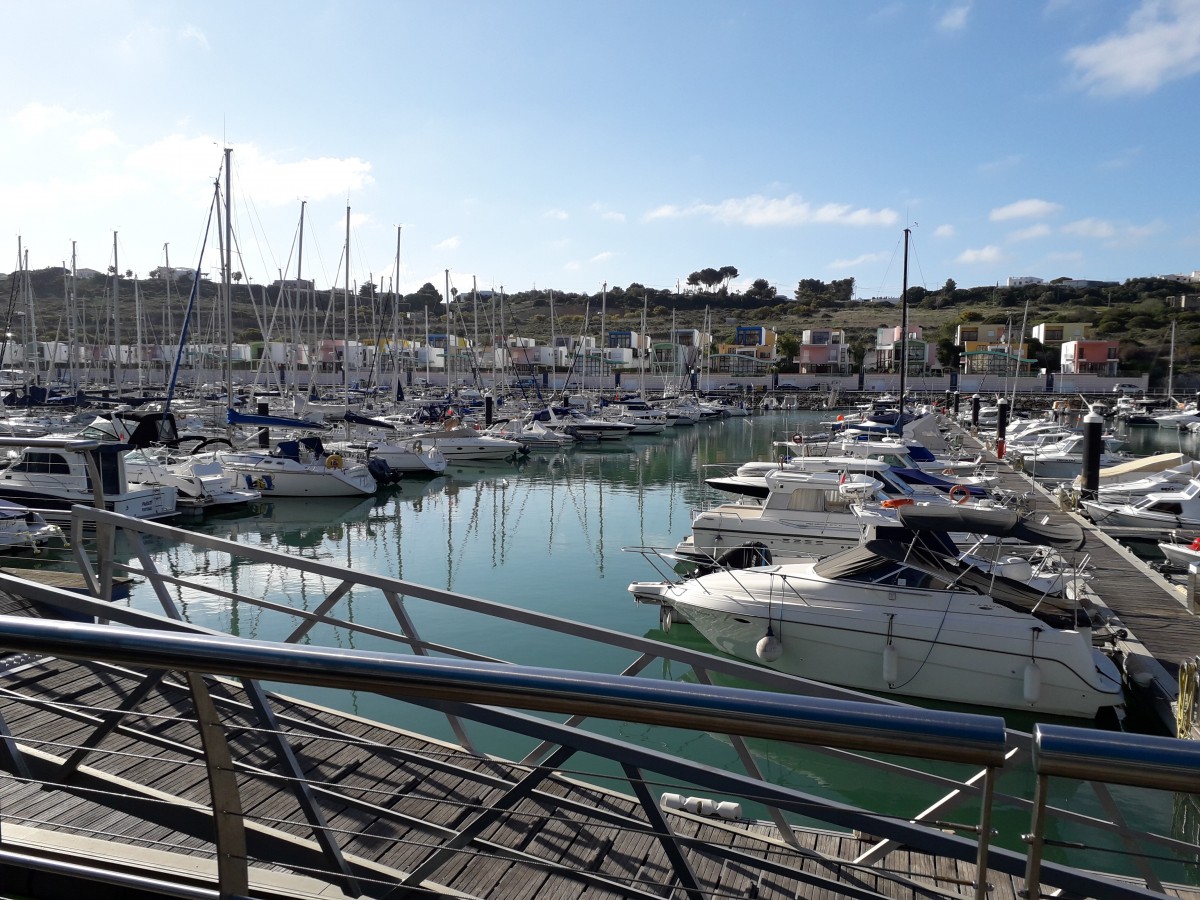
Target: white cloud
x,y
1092,228
94,139
1030,233
1159,43
191,33
177,160
1002,165
1024,209
608,215
37,118
603,256
759,211
989,254
450,243
944,231
843,264
1122,160
572,266
559,215
955,18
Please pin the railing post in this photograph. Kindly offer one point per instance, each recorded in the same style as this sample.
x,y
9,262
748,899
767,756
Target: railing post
x,y
233,876
985,833
1036,840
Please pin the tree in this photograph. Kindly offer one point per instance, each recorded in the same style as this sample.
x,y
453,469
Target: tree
x,y
949,287
787,346
760,292
727,273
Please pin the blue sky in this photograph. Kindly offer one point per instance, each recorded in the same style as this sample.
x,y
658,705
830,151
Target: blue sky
x,y
567,144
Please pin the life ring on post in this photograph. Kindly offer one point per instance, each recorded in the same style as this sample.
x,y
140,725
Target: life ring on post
x,y
959,494
797,438
416,447
333,461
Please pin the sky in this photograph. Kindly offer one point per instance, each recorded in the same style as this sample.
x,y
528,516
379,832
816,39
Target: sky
x,y
568,145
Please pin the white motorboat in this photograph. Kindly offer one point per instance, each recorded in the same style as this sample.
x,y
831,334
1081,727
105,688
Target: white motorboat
x,y
1064,459
1176,508
531,434
299,468
805,515
460,443
1181,417
52,474
22,528
1181,555
201,483
902,614
750,479
583,427
388,456
1142,476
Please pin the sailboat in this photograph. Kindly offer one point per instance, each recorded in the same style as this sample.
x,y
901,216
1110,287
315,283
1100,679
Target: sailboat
x,y
298,466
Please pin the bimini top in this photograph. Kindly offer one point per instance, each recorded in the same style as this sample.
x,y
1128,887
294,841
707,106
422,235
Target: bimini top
x,y
993,521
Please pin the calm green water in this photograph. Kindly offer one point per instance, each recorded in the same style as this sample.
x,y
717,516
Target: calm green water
x,y
547,535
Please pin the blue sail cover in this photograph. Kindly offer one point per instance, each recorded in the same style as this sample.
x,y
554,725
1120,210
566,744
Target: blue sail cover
x,y
235,417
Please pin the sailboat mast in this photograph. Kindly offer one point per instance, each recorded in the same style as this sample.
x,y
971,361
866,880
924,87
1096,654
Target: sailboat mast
x,y
116,307
227,291
446,367
301,306
904,325
396,317
72,335
603,333
137,315
27,286
346,314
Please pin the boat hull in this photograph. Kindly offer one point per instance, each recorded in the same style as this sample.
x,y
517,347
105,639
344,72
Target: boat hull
x,y
943,648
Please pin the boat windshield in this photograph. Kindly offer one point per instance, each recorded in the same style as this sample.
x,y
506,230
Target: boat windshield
x,y
864,565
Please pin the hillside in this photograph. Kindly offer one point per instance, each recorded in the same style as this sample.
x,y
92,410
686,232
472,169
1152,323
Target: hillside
x,y
1139,313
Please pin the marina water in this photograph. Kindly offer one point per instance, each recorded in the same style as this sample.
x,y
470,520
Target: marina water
x,y
549,534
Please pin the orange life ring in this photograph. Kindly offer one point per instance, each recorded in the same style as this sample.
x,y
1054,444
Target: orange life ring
x,y
959,494
333,461
896,502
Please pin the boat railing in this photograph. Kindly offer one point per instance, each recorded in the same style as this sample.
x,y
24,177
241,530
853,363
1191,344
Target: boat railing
x,y
946,796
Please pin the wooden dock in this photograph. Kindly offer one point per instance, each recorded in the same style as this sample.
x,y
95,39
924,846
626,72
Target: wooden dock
x,y
385,812
1163,632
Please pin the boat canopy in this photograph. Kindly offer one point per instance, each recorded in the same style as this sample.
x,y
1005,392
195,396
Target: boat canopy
x,y
993,521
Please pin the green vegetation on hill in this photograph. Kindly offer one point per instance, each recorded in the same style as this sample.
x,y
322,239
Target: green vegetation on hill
x,y
1139,313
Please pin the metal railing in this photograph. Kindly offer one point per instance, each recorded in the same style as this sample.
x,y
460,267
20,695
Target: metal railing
x,y
472,689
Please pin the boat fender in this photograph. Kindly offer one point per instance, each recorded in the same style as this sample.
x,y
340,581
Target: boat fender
x,y
769,648
1032,690
671,801
1195,545
333,461
891,665
959,494
727,809
666,618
